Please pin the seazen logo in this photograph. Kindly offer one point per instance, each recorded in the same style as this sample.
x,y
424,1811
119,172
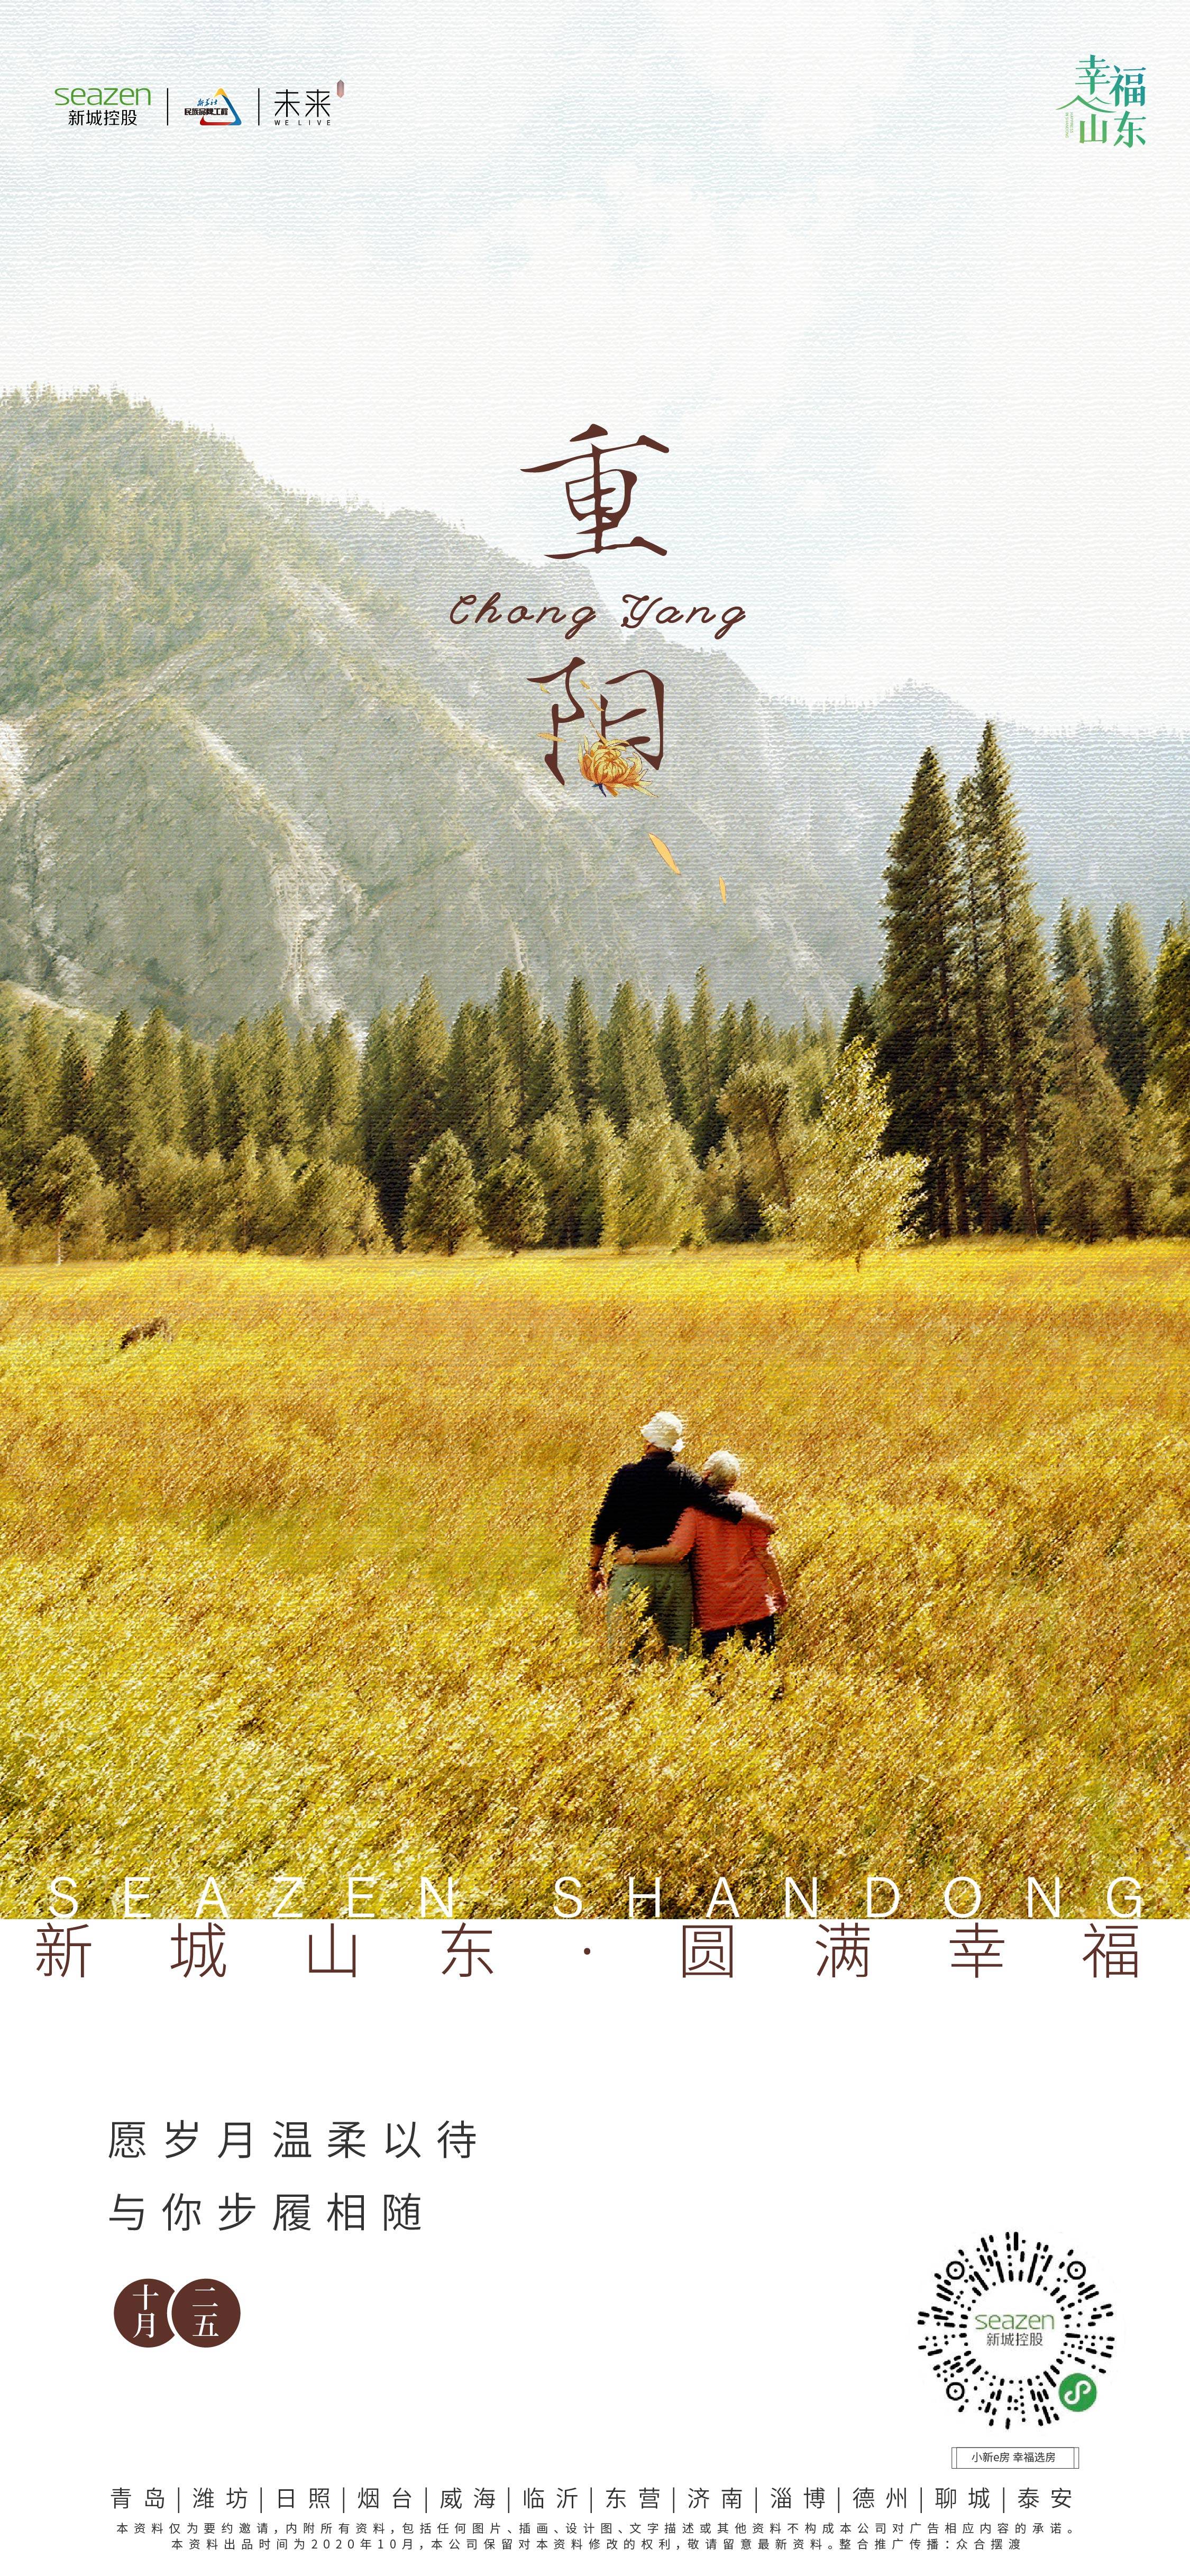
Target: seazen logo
x,y
1015,2331
98,97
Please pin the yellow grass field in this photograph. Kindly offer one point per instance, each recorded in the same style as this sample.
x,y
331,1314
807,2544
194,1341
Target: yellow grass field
x,y
300,1593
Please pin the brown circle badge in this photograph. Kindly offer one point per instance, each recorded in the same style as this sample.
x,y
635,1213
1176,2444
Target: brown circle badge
x,y
204,2312
142,2313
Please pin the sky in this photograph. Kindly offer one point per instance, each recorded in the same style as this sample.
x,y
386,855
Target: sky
x,y
917,356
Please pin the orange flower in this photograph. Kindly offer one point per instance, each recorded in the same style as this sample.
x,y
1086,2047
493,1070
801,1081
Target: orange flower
x,y
609,766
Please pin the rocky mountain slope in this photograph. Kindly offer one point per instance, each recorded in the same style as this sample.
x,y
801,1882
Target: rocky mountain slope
x,y
245,755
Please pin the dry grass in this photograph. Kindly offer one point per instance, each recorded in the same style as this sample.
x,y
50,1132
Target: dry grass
x,y
300,1592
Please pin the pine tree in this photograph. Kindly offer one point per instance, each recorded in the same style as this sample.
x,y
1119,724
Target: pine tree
x,y
242,1189
118,1123
599,1181
307,1074
727,1046
324,1208
460,1107
922,1039
33,1110
1153,1159
550,1095
366,1230
337,1091
1076,951
272,1216
491,1082
279,1111
519,1021
978,1001
751,1041
1129,998
1019,963
28,1106
379,1095
8,1084
632,1080
424,1047
706,1120
236,1078
1169,1024
162,1194
582,1050
377,1083
852,1198
198,1092
475,1100
512,1205
1067,957
209,1220
1093,971
440,1209
671,1056
74,1086
555,1152
164,1103
858,1020
1169,1036
1086,1176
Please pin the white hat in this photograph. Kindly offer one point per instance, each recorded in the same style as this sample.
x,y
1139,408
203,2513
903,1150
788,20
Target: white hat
x,y
663,1432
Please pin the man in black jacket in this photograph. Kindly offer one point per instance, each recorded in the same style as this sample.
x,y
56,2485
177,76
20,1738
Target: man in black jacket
x,y
641,1508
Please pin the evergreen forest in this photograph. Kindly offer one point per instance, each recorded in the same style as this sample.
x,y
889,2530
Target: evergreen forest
x,y
1002,1087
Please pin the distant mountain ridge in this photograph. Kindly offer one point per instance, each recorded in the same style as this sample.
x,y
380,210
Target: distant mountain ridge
x,y
245,756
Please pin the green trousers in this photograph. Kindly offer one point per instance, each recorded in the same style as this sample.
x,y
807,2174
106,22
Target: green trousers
x,y
663,1593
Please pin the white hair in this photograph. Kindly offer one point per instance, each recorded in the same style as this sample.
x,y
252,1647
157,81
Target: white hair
x,y
721,1469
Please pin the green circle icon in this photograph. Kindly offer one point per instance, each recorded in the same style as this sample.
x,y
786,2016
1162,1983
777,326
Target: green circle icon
x,y
1078,2392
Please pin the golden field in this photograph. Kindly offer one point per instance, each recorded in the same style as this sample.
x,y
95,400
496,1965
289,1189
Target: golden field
x,y
301,1592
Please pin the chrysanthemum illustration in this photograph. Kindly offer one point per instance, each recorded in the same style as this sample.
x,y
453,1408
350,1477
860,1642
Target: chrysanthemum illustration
x,y
609,766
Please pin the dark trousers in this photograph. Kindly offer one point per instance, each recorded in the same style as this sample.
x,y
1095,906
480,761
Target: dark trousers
x,y
755,1632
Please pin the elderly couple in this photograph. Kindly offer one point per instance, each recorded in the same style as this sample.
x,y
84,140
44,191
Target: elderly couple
x,y
670,1524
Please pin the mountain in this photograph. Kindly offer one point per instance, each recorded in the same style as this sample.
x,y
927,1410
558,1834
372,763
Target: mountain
x,y
245,755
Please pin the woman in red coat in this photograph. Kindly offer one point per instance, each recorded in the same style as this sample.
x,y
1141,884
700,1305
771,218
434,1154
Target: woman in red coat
x,y
738,1590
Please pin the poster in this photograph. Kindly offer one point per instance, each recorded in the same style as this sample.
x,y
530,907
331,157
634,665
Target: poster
x,y
595,1016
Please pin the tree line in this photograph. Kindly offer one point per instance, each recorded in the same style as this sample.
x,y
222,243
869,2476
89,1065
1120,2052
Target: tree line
x,y
505,1123
976,1086
1039,1094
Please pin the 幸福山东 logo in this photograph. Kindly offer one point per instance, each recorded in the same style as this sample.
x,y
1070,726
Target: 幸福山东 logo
x,y
1108,105
1017,2331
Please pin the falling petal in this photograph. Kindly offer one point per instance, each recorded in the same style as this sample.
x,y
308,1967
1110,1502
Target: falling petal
x,y
722,889
660,845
